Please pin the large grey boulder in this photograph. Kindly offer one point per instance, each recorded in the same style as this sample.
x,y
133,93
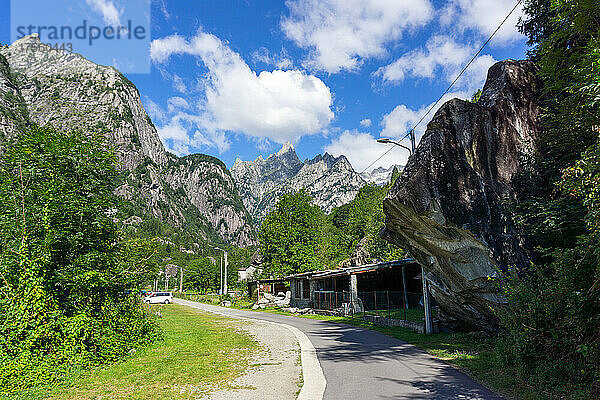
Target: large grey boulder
x,y
448,209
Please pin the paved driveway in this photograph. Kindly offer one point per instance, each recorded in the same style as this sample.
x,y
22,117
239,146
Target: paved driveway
x,y
363,364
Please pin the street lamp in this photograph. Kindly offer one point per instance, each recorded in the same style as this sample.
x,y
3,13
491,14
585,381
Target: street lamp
x,y
224,289
389,141
426,303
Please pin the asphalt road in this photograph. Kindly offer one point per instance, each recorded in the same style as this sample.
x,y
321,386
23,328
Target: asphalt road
x,y
363,364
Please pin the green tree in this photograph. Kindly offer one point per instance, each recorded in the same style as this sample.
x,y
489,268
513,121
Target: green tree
x,y
290,236
476,96
65,273
363,217
203,275
553,313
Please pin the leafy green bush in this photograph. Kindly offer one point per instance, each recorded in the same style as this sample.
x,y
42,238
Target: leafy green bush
x,y
67,277
552,323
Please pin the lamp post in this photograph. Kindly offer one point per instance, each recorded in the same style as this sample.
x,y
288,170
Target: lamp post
x,y
388,141
224,290
426,303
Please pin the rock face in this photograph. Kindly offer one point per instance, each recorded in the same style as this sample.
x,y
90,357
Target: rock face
x,y
331,181
448,208
66,91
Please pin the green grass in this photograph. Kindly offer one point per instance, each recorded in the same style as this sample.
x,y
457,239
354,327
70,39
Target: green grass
x,y
412,314
200,352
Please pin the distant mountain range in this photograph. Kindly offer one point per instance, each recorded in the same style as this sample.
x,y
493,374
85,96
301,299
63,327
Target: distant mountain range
x,y
195,193
380,176
331,181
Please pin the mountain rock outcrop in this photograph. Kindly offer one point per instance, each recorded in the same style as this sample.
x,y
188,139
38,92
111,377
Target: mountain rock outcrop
x,y
64,90
448,208
331,181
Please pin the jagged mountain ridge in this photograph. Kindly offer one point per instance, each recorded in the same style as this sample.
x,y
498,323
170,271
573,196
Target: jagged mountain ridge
x,y
331,181
380,175
48,87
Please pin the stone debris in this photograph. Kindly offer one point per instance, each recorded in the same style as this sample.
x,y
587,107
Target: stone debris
x,y
296,310
269,300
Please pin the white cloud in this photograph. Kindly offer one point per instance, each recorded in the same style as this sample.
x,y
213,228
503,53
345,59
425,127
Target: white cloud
x,y
156,113
365,123
180,134
281,60
178,84
442,56
163,9
278,105
340,34
177,103
483,16
174,130
110,14
397,123
362,149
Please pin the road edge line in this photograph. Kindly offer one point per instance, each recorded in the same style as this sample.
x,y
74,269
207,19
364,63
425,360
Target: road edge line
x,y
314,382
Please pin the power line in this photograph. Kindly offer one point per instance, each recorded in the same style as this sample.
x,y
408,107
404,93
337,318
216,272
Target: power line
x,y
453,82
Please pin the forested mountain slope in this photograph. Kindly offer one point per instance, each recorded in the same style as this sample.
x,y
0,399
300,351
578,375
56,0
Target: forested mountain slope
x,y
48,87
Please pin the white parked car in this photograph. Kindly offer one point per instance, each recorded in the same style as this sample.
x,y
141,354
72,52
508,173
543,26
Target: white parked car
x,y
159,297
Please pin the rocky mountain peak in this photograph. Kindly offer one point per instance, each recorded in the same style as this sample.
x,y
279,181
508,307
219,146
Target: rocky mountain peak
x,y
380,175
287,147
330,180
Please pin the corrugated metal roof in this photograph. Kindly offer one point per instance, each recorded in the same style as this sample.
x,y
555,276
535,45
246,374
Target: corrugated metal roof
x,y
354,270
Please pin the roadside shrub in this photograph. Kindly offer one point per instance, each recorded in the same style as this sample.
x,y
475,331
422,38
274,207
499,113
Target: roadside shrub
x,y
65,271
552,323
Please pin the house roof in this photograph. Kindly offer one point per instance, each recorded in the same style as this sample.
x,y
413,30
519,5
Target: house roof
x,y
353,270
304,274
259,281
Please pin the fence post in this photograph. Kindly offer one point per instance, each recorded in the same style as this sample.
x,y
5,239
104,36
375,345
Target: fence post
x,y
388,303
375,301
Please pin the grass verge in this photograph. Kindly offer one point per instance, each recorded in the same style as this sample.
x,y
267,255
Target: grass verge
x,y
200,352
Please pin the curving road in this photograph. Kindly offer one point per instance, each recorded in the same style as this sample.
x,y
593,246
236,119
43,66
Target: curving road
x,y
362,364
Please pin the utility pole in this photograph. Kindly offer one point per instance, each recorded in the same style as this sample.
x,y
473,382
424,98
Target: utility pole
x,y
180,279
221,276
223,269
225,275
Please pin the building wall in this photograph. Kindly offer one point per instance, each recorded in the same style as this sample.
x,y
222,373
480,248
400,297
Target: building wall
x,y
298,299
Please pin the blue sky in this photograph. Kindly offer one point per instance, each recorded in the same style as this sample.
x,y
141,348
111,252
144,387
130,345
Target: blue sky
x,y
239,78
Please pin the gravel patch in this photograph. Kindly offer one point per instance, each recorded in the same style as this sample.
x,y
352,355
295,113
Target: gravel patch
x,y
275,370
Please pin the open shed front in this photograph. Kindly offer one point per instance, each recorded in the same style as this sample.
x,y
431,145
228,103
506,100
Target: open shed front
x,y
339,288
390,279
